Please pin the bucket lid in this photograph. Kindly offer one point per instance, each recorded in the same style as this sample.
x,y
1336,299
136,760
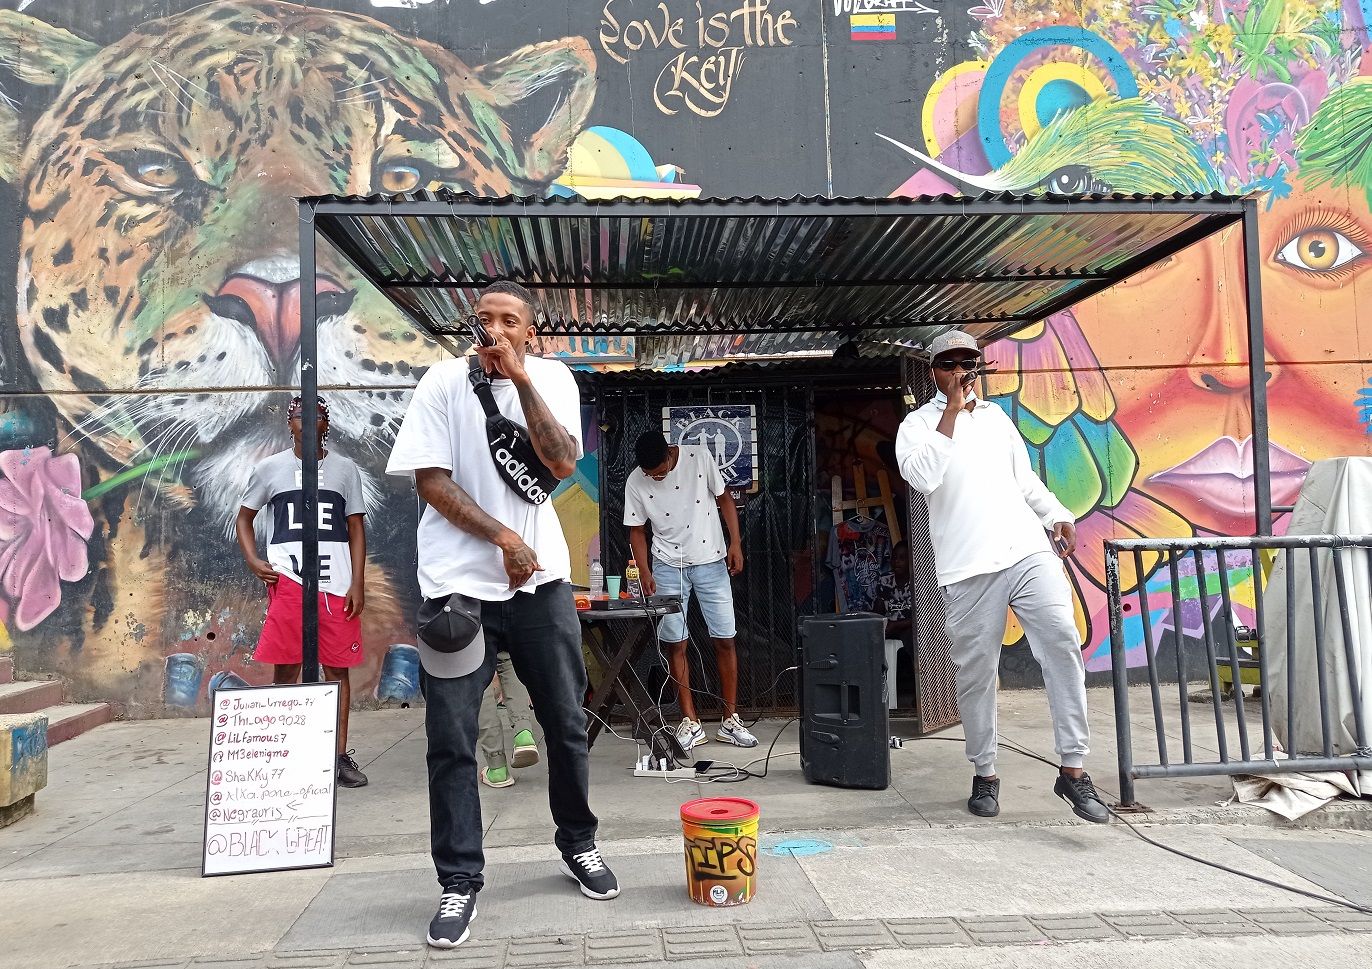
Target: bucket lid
x,y
714,810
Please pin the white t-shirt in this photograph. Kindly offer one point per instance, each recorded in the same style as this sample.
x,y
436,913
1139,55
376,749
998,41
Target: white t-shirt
x,y
445,427
681,508
278,482
987,508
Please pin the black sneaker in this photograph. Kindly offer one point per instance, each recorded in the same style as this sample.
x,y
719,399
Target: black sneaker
x,y
985,799
349,774
591,873
452,924
1081,794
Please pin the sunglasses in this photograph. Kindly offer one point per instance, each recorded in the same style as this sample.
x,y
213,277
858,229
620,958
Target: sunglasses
x,y
948,366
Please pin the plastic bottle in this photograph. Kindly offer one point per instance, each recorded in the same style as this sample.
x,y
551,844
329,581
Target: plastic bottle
x,y
597,578
631,581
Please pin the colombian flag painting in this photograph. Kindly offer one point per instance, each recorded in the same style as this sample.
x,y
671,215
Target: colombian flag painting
x,y
873,26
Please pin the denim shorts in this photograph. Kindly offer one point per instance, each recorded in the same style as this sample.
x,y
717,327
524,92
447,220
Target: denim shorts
x,y
711,587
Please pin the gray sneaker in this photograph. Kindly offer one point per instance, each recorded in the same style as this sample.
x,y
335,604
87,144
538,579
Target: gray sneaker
x,y
732,731
690,734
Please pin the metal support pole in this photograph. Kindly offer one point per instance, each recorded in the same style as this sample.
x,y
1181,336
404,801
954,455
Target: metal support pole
x,y
309,447
1257,367
1119,673
936,703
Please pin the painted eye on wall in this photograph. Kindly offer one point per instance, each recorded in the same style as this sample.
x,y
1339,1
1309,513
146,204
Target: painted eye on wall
x,y
1073,180
158,170
1320,249
407,175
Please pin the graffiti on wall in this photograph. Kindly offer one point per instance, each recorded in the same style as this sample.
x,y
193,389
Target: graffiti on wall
x,y
149,168
157,304
702,53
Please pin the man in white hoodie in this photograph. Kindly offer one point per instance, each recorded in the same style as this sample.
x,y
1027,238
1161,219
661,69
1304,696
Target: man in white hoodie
x,y
990,518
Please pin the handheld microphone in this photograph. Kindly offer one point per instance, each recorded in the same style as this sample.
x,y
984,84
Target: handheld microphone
x,y
479,334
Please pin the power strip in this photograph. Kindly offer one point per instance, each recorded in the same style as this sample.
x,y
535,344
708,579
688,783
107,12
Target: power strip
x,y
689,772
646,768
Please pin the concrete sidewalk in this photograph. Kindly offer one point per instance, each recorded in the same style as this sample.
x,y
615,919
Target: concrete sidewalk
x,y
847,877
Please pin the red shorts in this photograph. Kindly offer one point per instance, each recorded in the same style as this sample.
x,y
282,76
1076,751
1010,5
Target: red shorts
x,y
340,638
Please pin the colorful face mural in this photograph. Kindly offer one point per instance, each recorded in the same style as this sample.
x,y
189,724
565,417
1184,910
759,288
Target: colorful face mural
x,y
1150,433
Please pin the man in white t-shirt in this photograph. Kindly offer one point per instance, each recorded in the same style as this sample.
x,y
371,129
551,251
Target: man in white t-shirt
x,y
679,491
990,518
480,539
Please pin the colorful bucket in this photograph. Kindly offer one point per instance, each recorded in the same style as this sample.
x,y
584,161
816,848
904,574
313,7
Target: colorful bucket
x,y
721,850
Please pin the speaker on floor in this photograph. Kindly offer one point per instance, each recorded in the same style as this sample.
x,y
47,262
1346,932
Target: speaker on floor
x,y
844,723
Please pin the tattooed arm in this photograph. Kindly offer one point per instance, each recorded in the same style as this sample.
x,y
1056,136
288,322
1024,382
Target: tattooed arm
x,y
437,488
552,442
555,445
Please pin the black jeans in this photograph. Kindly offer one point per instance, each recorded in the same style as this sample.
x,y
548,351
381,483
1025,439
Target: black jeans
x,y
542,634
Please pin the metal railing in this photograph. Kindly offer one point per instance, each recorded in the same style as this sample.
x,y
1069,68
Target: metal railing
x,y
1210,570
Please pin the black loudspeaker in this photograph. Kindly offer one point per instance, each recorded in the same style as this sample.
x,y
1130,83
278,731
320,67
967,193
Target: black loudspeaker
x,y
845,736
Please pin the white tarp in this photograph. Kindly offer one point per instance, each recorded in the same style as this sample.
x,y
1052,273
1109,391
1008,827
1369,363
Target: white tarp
x,y
1335,500
1296,794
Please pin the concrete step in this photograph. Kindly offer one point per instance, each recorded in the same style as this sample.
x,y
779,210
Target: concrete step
x,y
6,669
68,720
29,696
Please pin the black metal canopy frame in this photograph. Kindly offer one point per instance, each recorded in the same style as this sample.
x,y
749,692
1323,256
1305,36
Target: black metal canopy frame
x,y
722,278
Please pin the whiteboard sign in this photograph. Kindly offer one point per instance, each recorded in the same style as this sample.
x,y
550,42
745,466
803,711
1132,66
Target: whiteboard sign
x,y
269,796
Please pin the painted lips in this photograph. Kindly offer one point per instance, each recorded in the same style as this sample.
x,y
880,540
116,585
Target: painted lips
x,y
1221,475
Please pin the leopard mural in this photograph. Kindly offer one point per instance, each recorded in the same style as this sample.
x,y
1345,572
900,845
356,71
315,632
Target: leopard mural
x,y
158,286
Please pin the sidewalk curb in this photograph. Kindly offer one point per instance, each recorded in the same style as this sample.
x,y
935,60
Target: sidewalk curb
x,y
819,941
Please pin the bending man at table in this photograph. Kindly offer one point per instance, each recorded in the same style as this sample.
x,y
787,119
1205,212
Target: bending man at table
x,y
477,538
679,491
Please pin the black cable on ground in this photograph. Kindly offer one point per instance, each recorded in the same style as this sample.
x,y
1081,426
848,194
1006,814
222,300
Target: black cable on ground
x,y
1218,866
767,760
739,774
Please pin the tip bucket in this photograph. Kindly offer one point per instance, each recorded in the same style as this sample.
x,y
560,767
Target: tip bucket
x,y
721,849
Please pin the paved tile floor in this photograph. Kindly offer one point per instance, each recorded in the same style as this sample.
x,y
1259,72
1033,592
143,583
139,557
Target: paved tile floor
x,y
107,870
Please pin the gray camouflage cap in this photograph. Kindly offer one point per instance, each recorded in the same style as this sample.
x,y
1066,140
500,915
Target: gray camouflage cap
x,y
952,340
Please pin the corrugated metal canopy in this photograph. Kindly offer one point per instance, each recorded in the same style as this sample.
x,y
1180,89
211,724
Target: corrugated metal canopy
x,y
717,278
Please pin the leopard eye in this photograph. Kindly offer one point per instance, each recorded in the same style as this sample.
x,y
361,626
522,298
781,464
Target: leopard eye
x,y
406,175
157,170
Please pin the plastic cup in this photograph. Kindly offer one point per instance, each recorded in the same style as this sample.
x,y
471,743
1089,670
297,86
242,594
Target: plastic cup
x,y
612,585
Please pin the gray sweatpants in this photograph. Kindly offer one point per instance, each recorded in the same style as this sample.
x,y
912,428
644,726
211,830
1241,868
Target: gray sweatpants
x,y
1038,591
516,709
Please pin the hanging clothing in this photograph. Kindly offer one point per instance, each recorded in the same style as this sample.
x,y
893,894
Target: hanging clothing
x,y
896,597
860,558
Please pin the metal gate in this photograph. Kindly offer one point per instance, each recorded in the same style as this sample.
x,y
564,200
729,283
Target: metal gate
x,y
1203,573
936,700
776,522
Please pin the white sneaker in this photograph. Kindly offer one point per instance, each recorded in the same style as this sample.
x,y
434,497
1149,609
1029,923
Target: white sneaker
x,y
691,734
732,731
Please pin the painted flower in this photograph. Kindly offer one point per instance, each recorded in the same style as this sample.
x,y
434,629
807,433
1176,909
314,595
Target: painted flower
x,y
44,527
